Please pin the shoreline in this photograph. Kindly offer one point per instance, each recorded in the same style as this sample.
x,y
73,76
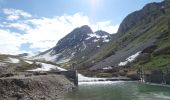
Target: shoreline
x,y
46,87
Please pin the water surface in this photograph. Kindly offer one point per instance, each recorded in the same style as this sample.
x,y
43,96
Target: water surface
x,y
118,90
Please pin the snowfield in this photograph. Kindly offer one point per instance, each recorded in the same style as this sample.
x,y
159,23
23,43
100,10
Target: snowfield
x,y
47,56
47,67
14,60
130,59
29,62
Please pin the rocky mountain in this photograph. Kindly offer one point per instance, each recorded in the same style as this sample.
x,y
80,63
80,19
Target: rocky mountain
x,y
146,15
78,45
143,30
23,55
142,40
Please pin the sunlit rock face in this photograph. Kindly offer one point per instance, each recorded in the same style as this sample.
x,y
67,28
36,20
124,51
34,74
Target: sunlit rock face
x,y
145,15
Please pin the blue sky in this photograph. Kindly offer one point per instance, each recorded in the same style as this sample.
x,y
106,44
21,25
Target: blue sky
x,y
37,25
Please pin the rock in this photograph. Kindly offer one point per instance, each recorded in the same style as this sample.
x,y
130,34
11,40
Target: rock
x,y
167,6
146,15
7,75
28,75
167,78
143,58
156,76
149,49
162,51
133,75
40,73
42,87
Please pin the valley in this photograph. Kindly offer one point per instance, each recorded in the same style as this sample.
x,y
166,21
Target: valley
x,y
131,64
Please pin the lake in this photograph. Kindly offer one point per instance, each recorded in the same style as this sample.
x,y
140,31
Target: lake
x,y
118,90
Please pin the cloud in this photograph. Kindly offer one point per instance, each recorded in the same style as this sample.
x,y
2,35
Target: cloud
x,y
105,26
14,14
43,33
9,42
20,26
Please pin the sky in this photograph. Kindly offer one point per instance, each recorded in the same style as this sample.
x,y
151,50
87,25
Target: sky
x,y
29,26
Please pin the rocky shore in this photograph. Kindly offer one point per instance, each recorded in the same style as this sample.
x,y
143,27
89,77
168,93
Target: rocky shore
x,y
41,87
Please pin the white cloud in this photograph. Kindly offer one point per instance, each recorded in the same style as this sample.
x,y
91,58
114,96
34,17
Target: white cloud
x,y
105,26
43,33
20,26
9,42
14,14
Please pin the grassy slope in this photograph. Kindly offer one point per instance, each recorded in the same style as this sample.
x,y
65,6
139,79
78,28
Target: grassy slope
x,y
154,29
146,31
160,61
22,65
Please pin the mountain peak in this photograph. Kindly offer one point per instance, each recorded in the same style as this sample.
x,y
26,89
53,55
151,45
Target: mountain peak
x,y
84,29
101,32
148,13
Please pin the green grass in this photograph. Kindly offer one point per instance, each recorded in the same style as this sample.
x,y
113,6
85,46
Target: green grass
x,y
157,62
155,30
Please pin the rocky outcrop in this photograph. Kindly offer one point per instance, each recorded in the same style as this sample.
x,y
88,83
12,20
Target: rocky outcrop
x,y
149,13
77,46
162,51
149,49
158,76
76,36
155,77
43,87
167,6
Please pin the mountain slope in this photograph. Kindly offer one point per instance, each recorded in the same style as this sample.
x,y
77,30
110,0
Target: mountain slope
x,y
142,39
139,30
78,45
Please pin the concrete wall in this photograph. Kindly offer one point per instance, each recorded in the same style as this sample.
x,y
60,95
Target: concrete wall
x,y
157,76
71,75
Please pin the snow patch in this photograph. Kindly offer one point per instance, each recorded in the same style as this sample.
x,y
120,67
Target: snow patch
x,y
48,56
105,36
47,67
61,69
44,67
87,38
106,40
14,60
130,59
94,35
72,54
64,60
2,64
95,40
106,68
29,62
84,45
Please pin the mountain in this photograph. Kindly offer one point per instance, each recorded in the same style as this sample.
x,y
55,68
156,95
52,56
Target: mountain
x,y
23,55
142,40
78,45
142,33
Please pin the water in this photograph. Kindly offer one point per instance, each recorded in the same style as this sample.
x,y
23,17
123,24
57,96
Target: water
x,y
118,90
93,89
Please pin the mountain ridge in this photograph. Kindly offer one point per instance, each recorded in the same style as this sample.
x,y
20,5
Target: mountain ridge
x,y
77,42
140,30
